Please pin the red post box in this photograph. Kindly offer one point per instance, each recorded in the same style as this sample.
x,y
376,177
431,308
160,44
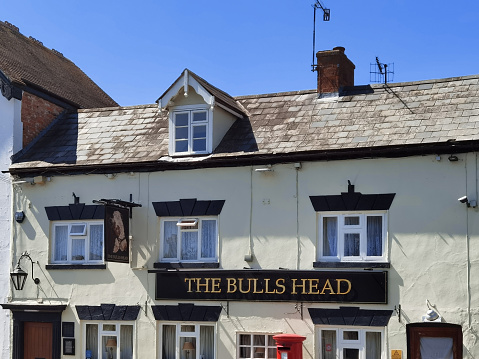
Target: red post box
x,y
289,346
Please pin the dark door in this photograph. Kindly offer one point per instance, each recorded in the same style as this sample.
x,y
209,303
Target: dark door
x,y
434,341
38,340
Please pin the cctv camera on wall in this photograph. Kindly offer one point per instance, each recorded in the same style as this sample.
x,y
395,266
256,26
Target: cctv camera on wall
x,y
463,199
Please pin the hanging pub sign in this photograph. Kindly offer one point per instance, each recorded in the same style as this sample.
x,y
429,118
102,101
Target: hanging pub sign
x,y
273,285
117,234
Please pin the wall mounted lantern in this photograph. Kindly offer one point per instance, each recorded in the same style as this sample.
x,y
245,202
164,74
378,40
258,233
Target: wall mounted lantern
x,y
19,276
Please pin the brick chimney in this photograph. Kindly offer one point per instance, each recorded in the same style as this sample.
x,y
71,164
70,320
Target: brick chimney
x,y
335,71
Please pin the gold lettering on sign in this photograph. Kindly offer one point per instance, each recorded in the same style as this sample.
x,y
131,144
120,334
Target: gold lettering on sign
x,y
313,286
280,286
205,285
327,286
231,285
255,281
339,286
189,284
240,280
266,285
215,285
299,285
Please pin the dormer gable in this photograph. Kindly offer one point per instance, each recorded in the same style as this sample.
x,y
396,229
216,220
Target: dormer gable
x,y
199,115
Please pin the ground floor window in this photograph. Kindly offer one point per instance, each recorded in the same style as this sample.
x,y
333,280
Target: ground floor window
x,y
187,341
255,345
108,340
434,340
351,343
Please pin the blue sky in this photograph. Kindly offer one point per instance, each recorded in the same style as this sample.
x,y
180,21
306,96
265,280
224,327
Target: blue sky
x,y
135,49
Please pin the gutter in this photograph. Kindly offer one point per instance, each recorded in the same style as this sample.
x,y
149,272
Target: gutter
x,y
255,159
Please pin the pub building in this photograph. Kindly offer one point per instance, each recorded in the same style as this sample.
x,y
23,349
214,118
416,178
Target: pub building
x,y
204,225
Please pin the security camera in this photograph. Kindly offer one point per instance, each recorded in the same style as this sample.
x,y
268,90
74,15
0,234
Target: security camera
x,y
463,199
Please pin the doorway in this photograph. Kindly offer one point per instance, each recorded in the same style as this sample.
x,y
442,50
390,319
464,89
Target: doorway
x,y
434,341
38,338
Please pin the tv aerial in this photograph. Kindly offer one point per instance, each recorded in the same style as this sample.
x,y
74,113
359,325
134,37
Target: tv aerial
x,y
326,17
381,72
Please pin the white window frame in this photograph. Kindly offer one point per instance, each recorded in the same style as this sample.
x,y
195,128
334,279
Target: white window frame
x,y
350,344
208,123
181,228
180,334
361,229
252,346
71,237
102,333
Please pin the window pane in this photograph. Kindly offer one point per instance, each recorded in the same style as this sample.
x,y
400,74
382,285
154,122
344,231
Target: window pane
x,y
330,236
181,119
328,344
170,240
108,347
169,341
92,340
351,335
351,221
78,249
245,339
271,353
181,146
271,341
126,342
188,342
199,145
109,327
199,131
373,345
245,352
375,236
189,245
350,353
96,242
432,347
78,229
208,239
199,116
351,244
207,342
181,133
61,243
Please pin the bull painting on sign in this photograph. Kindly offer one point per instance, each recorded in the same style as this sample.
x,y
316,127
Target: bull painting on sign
x,y
117,234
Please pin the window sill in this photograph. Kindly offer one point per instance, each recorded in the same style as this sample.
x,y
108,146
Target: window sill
x,y
175,265
364,265
74,266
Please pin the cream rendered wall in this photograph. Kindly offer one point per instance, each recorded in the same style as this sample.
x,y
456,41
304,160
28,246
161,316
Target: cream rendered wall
x,y
431,247
10,143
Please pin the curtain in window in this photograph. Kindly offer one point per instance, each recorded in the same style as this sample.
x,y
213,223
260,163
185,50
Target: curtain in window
x,y
375,235
207,342
126,342
208,239
170,241
169,341
373,345
61,243
351,244
78,249
189,245
328,347
96,242
330,236
92,340
436,348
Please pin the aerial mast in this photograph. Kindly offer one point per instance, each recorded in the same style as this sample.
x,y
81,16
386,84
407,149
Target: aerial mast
x,y
326,17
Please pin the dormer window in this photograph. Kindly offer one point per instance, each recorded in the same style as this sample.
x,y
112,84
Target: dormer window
x,y
189,131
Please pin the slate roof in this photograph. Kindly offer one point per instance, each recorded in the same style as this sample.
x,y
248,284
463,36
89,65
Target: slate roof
x,y
27,63
365,121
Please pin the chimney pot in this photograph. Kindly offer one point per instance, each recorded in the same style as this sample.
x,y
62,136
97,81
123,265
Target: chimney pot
x,y
335,71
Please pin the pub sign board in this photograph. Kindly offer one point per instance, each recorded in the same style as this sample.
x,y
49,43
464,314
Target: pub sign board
x,y
273,285
117,234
